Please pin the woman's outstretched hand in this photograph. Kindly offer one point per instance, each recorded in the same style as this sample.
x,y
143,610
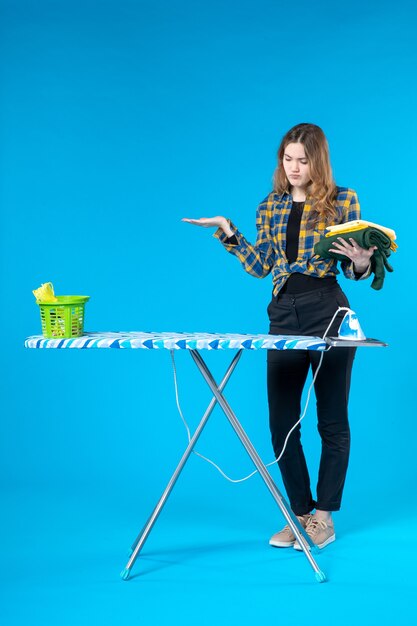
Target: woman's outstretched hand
x,y
207,222
359,256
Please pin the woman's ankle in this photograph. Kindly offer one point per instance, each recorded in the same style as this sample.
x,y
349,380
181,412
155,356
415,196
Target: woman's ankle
x,y
326,516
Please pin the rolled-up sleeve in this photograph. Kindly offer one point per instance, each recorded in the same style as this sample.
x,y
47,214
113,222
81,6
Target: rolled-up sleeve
x,y
352,211
256,259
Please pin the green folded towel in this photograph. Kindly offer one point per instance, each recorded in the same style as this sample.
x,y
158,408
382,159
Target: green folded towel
x,y
365,238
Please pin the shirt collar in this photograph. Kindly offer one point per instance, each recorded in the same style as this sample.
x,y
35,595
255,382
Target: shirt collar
x,y
286,194
281,196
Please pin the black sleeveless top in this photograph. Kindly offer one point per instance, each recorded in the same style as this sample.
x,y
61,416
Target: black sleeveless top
x,y
296,282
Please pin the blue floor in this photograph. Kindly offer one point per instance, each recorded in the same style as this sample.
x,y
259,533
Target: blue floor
x,y
62,554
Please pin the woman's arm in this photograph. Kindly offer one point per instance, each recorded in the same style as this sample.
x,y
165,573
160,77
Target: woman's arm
x,y
207,222
257,259
359,266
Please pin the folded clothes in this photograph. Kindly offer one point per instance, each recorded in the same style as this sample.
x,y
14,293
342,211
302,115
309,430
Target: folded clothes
x,y
360,225
349,227
365,237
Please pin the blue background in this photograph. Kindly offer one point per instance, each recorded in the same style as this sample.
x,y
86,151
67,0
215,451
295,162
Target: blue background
x,y
117,120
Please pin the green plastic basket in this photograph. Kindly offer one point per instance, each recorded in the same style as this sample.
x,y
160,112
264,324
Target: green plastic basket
x,y
63,319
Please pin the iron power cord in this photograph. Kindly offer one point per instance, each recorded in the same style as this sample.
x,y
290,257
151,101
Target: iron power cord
x,y
239,480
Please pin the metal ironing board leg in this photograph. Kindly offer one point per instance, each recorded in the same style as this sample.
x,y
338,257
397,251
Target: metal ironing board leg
x,y
295,526
144,533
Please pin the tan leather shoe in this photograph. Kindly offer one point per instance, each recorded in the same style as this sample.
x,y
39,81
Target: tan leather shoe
x,y
321,532
285,538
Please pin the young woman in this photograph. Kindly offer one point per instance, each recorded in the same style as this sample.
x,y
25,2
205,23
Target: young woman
x,y
306,294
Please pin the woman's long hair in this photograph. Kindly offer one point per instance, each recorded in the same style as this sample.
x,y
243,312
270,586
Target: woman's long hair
x,y
322,188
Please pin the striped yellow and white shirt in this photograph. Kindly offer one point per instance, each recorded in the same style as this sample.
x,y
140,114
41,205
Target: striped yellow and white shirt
x,y
267,255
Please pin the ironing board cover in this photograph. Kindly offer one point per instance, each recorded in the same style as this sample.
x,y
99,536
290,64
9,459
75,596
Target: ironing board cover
x,y
180,341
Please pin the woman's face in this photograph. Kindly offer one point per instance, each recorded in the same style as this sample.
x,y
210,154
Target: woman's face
x,y
296,165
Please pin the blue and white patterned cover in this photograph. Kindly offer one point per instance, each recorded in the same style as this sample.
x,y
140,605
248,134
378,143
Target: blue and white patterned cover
x,y
181,341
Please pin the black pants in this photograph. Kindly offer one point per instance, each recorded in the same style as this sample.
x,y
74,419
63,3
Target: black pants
x,y
309,313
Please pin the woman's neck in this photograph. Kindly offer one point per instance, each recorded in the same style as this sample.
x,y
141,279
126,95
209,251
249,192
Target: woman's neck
x,y
298,197
298,194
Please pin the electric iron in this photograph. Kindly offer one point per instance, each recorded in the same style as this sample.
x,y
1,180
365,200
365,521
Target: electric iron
x,y
350,329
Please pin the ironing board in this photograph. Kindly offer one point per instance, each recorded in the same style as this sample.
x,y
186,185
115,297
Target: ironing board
x,y
194,343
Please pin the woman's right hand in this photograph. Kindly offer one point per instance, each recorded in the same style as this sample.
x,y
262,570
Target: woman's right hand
x,y
207,222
